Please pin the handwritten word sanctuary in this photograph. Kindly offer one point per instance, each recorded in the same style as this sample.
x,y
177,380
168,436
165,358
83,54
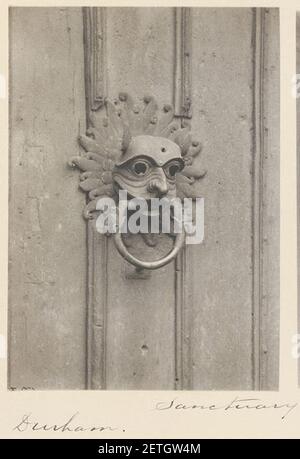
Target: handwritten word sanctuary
x,y
237,404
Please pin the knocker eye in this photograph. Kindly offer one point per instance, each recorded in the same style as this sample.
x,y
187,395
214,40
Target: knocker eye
x,y
140,167
172,168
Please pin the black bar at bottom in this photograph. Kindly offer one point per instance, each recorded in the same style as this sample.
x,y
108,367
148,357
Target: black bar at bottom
x,y
145,447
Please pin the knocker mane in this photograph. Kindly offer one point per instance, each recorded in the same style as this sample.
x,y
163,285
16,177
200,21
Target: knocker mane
x,y
139,148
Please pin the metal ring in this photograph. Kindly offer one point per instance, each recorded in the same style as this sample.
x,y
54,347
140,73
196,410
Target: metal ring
x,y
179,242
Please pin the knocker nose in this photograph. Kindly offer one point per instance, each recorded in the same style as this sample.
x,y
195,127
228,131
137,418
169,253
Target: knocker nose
x,y
159,185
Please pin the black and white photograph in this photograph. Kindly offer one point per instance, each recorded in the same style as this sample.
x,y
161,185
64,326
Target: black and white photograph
x,y
144,198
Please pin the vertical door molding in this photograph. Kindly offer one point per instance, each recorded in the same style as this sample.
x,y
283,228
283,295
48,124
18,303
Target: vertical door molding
x,y
258,148
265,228
94,21
182,68
182,326
183,109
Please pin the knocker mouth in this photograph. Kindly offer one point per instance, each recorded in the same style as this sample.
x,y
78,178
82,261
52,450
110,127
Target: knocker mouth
x,y
149,215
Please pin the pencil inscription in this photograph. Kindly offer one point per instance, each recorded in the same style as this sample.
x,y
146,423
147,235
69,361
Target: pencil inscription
x,y
237,404
28,423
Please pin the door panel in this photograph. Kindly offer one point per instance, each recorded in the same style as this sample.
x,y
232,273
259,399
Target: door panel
x,y
140,313
47,248
221,271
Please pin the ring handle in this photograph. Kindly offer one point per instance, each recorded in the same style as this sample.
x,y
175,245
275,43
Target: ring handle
x,y
179,242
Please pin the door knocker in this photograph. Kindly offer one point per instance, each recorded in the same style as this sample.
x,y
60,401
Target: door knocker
x,y
144,152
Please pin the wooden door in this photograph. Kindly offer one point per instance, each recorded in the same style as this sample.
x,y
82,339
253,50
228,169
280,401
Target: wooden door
x,y
78,318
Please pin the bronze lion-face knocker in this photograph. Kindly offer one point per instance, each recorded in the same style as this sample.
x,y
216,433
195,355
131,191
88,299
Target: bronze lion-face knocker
x,y
142,151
